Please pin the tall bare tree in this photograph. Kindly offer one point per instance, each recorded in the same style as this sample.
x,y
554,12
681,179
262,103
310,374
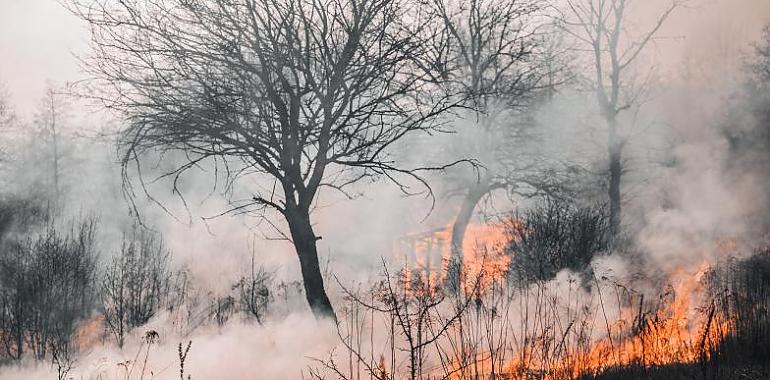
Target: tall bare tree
x,y
305,95
600,28
50,117
493,52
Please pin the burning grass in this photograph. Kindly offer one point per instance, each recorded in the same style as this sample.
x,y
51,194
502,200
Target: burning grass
x,y
604,322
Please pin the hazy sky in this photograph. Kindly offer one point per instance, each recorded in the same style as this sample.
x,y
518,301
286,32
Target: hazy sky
x,y
37,42
38,39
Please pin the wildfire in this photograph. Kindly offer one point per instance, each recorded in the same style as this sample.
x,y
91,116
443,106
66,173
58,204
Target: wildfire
x,y
427,254
89,332
625,329
677,332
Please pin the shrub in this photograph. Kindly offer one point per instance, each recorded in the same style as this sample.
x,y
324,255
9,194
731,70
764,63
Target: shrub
x,y
135,284
46,287
552,236
253,293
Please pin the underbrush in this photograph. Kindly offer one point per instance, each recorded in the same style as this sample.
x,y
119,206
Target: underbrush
x,y
407,326
563,309
738,293
702,324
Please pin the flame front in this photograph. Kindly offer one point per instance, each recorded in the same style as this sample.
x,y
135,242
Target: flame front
x,y
566,333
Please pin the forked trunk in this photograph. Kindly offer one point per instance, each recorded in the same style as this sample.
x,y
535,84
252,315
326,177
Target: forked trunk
x,y
305,245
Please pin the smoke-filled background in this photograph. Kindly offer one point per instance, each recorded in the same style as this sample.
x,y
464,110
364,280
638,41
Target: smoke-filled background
x,y
695,174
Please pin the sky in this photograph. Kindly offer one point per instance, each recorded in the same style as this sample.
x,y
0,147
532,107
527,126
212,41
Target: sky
x,y
39,41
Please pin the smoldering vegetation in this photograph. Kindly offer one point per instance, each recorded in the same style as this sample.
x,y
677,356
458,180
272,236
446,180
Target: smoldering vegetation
x,y
380,189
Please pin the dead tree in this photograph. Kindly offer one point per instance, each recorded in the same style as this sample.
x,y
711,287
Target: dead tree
x,y
50,118
600,28
303,95
493,52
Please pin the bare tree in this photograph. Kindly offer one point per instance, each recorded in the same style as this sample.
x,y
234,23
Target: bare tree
x,y
417,314
304,95
135,284
600,28
221,308
50,117
493,52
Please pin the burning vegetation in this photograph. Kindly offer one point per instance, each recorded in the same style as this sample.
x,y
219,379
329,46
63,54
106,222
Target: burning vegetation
x,y
584,317
589,217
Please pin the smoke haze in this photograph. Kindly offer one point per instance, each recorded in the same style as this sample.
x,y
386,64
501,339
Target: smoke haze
x,y
686,188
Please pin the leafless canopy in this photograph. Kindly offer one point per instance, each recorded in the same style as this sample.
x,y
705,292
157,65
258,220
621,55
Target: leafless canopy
x,y
489,49
303,92
306,94
601,28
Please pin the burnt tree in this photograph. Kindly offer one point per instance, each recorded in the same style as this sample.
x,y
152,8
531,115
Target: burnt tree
x,y
303,95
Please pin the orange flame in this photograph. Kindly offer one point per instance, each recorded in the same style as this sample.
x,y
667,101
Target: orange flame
x,y
428,253
678,328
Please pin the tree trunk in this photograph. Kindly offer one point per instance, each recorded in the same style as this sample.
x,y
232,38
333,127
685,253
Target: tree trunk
x,y
305,244
615,172
460,226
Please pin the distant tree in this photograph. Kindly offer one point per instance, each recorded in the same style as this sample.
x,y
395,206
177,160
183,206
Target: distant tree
x,y
304,95
496,54
760,62
221,308
14,300
186,302
19,216
747,130
50,119
7,117
600,29
135,284
64,286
